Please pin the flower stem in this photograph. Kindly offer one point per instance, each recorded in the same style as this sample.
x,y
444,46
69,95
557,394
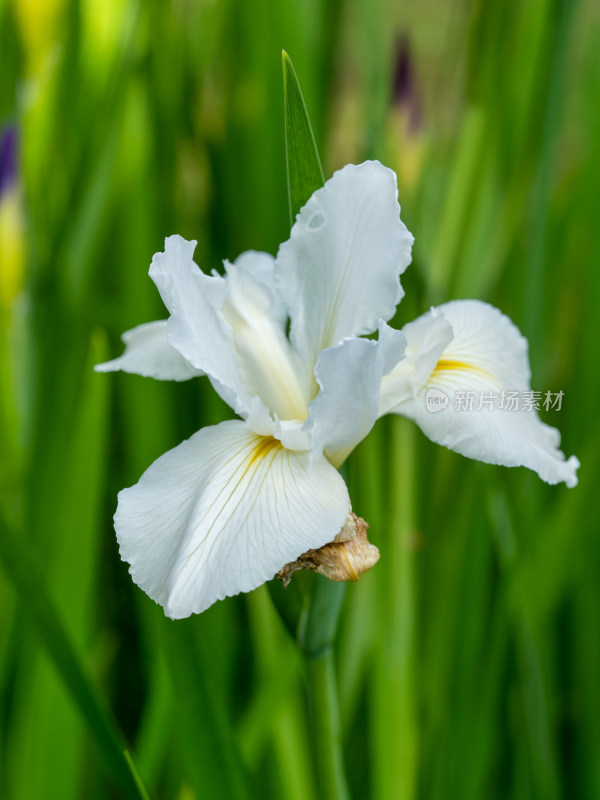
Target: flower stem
x,y
317,635
394,723
278,663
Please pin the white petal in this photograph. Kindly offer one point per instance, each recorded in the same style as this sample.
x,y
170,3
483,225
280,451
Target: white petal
x,y
232,327
261,266
195,326
487,357
222,513
289,432
338,274
149,353
267,363
349,375
426,339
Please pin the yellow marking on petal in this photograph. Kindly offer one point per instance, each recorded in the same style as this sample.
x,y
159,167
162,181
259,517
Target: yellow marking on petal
x,y
262,449
451,365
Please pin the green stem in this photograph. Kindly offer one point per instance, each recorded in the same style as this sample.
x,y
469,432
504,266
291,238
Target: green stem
x,y
395,733
276,710
317,635
331,778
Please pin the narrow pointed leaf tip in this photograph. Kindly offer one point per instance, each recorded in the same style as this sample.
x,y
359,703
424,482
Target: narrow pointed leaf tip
x,y
304,171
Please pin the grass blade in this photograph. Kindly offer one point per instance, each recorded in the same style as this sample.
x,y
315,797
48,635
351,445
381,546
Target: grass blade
x,y
26,575
304,171
209,749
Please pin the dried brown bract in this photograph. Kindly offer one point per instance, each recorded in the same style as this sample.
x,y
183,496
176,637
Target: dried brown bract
x,y
344,559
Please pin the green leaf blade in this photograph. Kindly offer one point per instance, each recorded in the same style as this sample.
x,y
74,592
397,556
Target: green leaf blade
x,y
25,573
304,171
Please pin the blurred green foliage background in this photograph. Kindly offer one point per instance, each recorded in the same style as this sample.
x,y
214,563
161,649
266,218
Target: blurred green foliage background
x,y
469,658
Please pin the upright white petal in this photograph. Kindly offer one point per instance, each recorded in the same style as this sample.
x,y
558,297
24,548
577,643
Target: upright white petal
x,y
487,357
149,353
221,513
260,267
232,328
196,327
349,375
338,274
268,365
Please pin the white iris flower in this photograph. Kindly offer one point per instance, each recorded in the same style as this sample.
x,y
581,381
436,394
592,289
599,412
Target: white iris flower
x,y
225,510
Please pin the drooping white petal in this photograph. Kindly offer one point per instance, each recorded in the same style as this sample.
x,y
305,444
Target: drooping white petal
x,y
196,327
349,375
149,353
221,513
474,399
338,274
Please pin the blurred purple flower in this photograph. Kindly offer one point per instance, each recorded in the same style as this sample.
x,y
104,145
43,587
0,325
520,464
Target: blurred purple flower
x,y
8,158
405,91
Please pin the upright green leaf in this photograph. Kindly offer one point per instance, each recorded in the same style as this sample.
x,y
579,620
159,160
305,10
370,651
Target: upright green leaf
x,y
67,535
304,171
207,738
26,575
